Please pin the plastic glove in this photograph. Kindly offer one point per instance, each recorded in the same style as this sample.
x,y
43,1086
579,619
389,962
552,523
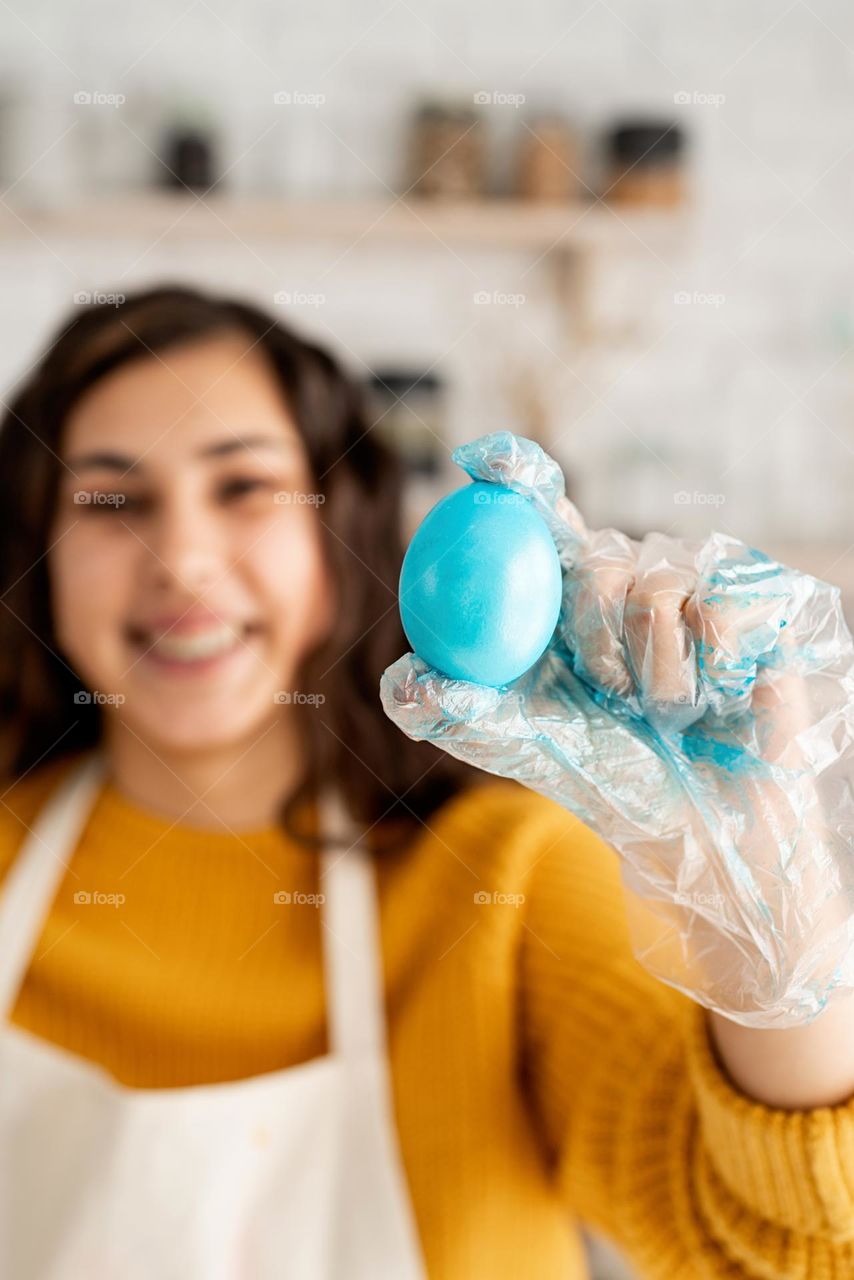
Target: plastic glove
x,y
695,707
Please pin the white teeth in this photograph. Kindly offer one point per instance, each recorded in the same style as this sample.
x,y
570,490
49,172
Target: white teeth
x,y
200,644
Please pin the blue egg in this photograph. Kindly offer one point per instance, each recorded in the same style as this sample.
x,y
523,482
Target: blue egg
x,y
480,586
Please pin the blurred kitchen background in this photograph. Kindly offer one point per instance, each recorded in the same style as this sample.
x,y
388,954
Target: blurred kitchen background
x,y
622,228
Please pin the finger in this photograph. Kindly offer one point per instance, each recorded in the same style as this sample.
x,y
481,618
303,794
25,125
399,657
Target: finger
x,y
426,705
546,731
595,590
505,458
659,645
740,605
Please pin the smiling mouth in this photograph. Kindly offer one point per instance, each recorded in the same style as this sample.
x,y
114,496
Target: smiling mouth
x,y
201,645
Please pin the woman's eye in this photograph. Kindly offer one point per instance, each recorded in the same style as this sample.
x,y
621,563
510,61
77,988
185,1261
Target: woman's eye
x,y
243,487
103,502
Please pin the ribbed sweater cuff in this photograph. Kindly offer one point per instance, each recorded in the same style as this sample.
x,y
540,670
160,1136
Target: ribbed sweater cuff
x,y
794,1169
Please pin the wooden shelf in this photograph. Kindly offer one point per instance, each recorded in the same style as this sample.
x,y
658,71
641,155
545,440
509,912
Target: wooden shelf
x,y
504,224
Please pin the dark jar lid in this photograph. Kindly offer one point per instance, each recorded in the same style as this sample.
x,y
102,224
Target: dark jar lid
x,y
646,143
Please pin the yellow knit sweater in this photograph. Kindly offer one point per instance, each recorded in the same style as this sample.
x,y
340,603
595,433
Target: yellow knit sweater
x,y
540,1076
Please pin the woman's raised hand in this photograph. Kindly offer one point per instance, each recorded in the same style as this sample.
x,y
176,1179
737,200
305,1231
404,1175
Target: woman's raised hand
x,y
695,707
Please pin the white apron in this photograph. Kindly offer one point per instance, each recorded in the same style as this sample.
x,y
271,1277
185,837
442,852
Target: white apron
x,y
294,1173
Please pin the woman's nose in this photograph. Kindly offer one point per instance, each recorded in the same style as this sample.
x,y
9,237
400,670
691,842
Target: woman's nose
x,y
186,548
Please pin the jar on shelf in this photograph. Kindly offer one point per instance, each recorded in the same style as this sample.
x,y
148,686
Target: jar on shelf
x,y
188,147
645,164
547,160
447,157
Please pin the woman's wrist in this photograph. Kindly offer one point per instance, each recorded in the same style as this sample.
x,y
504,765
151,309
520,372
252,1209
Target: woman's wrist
x,y
797,1068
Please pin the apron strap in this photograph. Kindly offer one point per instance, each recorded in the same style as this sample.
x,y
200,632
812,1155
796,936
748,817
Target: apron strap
x,y
352,952
34,878
352,948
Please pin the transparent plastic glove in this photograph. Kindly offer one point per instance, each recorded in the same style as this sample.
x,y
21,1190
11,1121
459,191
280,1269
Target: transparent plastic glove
x,y
695,707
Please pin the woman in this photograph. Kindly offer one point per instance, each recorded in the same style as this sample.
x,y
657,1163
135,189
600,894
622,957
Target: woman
x,y
287,993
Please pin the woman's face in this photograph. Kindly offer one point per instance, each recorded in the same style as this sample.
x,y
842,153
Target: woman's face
x,y
186,565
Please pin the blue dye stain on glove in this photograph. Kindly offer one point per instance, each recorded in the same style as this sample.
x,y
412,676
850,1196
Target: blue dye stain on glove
x,y
480,585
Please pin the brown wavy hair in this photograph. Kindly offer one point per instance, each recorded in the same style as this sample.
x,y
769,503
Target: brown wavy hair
x,y
388,782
